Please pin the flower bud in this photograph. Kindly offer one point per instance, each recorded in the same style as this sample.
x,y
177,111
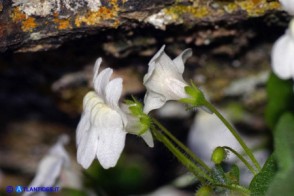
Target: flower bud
x,y
204,191
218,155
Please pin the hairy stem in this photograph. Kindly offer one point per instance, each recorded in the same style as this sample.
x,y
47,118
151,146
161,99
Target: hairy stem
x,y
235,134
193,168
181,145
242,159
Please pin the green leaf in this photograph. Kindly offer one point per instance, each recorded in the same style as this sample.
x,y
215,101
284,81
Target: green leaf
x,y
218,175
233,175
260,183
280,99
283,182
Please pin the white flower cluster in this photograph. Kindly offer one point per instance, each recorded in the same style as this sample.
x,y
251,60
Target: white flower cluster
x,y
283,49
104,124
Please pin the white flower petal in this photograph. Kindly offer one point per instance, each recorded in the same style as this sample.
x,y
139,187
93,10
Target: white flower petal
x,y
87,147
164,80
58,150
288,5
89,102
110,149
51,165
101,80
181,59
151,69
96,68
282,57
153,101
111,137
162,65
157,55
83,126
175,90
47,173
147,137
113,92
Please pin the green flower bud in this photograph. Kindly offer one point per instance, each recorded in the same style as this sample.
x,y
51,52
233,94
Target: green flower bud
x,y
218,155
195,98
204,191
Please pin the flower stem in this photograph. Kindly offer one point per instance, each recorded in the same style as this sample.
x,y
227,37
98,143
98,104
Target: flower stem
x,y
235,187
235,134
181,145
198,172
242,159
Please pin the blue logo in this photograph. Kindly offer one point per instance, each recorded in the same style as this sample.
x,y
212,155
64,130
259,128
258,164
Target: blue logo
x,y
9,189
19,189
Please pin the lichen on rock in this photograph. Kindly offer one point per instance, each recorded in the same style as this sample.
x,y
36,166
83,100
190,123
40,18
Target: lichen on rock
x,y
45,8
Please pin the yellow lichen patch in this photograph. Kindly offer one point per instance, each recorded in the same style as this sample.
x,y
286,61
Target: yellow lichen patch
x,y
62,24
177,11
29,24
257,7
218,8
231,7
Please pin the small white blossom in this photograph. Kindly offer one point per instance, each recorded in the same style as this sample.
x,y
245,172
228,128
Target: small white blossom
x,y
288,5
51,165
101,130
164,80
283,54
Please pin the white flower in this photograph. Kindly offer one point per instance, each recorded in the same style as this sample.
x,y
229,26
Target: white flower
x,y
283,54
288,5
51,165
101,130
164,80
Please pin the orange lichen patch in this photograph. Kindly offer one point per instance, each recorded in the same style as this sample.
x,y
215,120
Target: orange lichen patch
x,y
17,16
103,14
62,24
29,24
94,18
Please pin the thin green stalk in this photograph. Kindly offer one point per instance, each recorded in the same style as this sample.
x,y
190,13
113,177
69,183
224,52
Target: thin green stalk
x,y
198,172
235,187
181,145
242,159
235,134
